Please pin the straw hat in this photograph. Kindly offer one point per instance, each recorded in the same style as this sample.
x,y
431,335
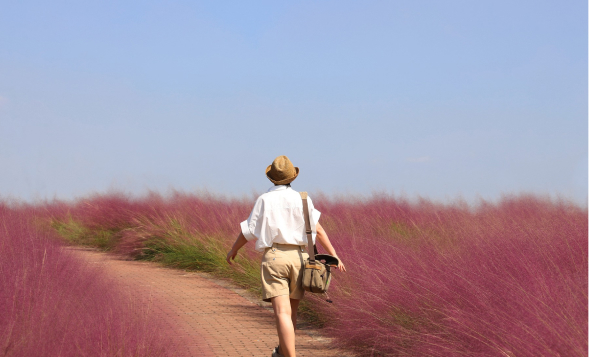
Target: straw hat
x,y
282,171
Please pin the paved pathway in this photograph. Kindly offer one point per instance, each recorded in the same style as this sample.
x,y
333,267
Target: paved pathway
x,y
207,316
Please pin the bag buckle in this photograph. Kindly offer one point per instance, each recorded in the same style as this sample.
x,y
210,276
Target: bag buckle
x,y
312,266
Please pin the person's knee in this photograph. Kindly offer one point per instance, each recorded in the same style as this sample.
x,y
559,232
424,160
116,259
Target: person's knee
x,y
283,311
281,306
283,316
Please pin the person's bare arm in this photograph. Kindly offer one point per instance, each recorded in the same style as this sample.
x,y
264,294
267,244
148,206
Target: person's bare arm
x,y
239,242
323,239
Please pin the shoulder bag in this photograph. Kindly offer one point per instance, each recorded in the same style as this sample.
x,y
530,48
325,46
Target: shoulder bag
x,y
317,269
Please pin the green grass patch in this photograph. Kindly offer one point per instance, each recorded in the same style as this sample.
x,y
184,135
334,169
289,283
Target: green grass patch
x,y
75,232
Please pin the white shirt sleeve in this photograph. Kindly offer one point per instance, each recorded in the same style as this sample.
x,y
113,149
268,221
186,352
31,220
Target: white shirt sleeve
x,y
314,217
249,226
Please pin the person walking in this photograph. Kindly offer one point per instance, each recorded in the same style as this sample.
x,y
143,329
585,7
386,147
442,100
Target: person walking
x,y
277,225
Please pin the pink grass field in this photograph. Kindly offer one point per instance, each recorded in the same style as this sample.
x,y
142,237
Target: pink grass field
x,y
424,279
54,304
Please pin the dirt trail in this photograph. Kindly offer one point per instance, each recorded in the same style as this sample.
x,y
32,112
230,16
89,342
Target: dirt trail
x,y
206,317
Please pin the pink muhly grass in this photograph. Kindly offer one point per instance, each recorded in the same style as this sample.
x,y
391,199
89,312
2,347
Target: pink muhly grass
x,y
504,280
138,220
54,304
424,279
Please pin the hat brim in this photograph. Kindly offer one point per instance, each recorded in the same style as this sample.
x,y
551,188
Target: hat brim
x,y
284,181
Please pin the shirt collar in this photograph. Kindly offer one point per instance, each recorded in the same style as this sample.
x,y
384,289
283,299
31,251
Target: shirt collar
x,y
278,188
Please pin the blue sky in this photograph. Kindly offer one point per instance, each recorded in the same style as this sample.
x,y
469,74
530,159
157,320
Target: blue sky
x,y
419,98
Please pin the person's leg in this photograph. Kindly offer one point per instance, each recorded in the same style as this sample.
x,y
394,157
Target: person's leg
x,y
294,306
284,325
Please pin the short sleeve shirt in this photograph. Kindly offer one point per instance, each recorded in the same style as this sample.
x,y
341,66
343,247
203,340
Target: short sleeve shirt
x,y
277,217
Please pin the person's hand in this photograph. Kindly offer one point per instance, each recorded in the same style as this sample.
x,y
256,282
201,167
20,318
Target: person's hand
x,y
341,265
231,256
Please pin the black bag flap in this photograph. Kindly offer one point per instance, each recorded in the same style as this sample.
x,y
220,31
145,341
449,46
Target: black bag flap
x,y
328,259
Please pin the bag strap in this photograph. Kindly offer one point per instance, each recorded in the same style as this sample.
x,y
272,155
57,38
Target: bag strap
x,y
311,247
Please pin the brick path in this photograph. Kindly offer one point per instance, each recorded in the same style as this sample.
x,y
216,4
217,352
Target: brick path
x,y
207,317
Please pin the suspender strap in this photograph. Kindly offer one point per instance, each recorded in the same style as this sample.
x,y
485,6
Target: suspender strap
x,y
310,246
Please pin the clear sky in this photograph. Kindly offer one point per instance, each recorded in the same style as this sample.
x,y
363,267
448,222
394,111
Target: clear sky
x,y
441,99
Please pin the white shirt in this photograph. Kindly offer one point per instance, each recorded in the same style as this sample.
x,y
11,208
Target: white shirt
x,y
277,217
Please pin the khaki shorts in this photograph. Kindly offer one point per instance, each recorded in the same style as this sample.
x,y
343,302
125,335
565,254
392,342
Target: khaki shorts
x,y
282,272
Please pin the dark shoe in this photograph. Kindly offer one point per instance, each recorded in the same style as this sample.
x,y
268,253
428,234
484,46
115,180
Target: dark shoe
x,y
275,353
